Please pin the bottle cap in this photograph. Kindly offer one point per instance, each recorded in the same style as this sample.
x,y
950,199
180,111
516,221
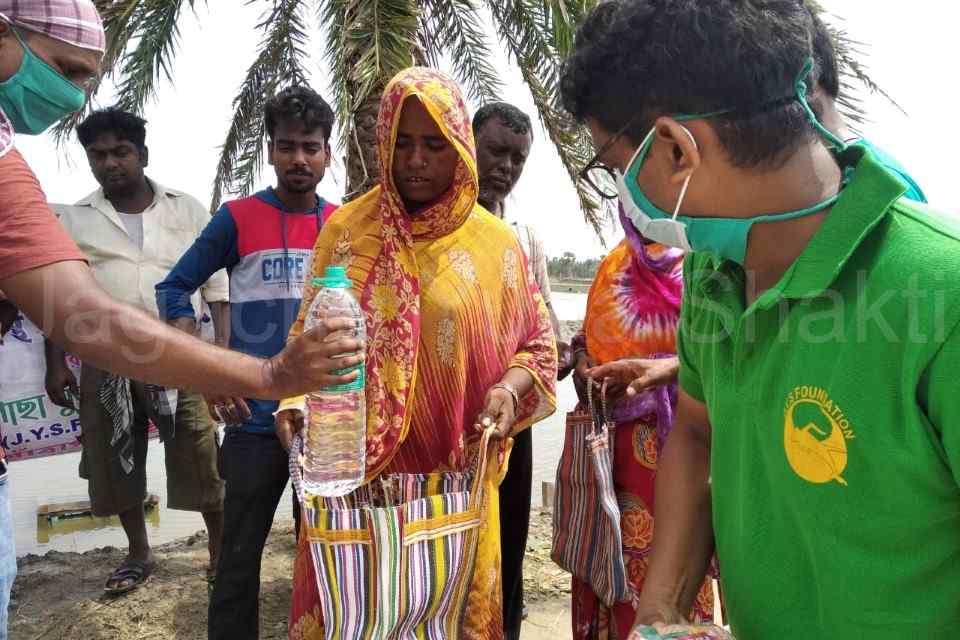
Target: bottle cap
x,y
334,278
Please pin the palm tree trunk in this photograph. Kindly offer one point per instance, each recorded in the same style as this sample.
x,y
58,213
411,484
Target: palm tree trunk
x,y
362,157
363,167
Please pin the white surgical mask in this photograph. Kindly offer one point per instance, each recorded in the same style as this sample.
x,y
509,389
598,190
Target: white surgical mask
x,y
667,231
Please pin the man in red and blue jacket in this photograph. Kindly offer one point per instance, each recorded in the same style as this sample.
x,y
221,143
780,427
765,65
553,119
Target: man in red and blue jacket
x,y
265,242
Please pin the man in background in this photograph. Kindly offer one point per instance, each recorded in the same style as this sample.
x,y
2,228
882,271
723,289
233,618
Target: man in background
x,y
132,231
504,136
265,242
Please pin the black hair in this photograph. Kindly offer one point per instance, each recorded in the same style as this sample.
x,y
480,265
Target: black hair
x,y
636,60
299,104
825,54
518,121
123,124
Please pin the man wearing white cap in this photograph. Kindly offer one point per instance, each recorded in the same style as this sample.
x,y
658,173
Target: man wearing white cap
x,y
50,51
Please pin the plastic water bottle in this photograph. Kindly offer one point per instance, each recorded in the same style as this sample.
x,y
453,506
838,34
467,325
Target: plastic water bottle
x,y
336,438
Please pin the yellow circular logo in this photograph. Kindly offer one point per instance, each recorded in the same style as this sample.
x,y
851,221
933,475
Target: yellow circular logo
x,y
815,436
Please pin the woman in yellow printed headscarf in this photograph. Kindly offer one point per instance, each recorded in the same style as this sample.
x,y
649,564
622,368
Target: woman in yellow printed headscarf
x,y
457,332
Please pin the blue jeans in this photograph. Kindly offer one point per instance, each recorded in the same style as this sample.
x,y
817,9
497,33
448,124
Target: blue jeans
x,y
8,556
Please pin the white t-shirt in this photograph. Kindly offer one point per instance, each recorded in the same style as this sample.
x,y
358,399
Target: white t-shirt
x,y
134,225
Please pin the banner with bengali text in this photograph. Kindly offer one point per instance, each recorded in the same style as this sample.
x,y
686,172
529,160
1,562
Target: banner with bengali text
x,y
30,425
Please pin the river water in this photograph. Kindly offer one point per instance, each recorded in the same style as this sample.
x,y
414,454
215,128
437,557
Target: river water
x,y
54,480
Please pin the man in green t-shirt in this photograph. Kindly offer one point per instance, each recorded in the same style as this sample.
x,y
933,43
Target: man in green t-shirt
x,y
816,440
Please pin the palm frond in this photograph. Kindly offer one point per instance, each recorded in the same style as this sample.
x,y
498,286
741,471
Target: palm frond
x,y
157,36
460,35
519,25
853,74
368,42
121,20
333,18
279,61
853,71
561,18
429,51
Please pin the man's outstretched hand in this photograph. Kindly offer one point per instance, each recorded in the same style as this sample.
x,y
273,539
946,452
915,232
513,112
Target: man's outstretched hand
x,y
312,360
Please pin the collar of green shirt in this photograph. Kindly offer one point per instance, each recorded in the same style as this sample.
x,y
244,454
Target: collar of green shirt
x,y
869,193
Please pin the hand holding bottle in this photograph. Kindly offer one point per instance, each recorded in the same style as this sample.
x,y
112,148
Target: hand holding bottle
x,y
312,361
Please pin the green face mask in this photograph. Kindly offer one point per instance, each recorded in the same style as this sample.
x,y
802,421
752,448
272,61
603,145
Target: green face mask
x,y
36,96
726,238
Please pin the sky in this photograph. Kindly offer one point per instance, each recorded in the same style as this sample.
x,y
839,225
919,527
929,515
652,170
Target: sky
x,y
909,51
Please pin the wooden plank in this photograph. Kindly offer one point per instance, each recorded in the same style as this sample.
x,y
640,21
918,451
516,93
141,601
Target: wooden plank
x,y
82,507
547,491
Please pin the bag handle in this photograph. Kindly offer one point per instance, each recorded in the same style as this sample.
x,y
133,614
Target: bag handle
x,y
605,417
607,414
477,491
590,405
296,473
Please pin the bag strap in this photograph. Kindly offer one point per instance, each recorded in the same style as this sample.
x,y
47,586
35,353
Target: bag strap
x,y
607,414
590,405
604,417
296,473
483,455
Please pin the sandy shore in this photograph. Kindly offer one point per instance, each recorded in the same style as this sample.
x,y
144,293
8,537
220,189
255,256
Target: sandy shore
x,y
59,596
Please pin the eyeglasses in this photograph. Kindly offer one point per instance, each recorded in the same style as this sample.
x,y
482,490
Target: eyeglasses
x,y
599,177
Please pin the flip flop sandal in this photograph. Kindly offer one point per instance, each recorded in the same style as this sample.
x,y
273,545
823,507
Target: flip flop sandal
x,y
134,571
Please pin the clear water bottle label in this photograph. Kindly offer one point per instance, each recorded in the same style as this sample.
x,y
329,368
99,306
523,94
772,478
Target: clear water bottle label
x,y
356,385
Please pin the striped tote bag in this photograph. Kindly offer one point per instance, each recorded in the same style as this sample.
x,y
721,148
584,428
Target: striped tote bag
x,y
395,558
586,517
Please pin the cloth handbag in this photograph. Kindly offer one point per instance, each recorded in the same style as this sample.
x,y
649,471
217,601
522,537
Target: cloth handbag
x,y
586,517
395,558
